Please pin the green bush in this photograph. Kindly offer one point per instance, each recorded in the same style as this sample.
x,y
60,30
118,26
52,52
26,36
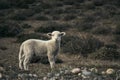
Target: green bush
x,y
106,53
83,44
52,26
22,37
10,29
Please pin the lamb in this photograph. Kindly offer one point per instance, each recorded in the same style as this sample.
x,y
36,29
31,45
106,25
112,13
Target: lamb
x,y
36,47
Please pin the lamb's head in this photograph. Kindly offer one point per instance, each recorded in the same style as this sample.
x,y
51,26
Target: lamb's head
x,y
56,35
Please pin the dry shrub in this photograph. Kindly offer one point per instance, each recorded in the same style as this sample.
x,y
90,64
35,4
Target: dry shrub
x,y
80,44
10,29
40,17
101,30
4,4
98,2
108,52
21,14
22,37
25,25
68,17
52,26
116,38
117,29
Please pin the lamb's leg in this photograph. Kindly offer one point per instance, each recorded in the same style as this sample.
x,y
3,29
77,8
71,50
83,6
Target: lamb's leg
x,y
51,59
27,61
21,63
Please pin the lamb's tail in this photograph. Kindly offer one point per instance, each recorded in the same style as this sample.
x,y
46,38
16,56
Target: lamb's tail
x,y
21,57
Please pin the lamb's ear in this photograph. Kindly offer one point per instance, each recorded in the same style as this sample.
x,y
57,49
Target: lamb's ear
x,y
49,34
63,34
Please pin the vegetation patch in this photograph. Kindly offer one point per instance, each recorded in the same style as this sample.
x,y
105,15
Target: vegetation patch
x,y
10,29
108,52
83,44
25,25
101,30
23,37
52,26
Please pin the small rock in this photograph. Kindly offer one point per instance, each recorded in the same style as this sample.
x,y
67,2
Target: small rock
x,y
85,77
110,71
94,70
1,75
34,75
30,75
76,70
67,71
79,74
57,75
86,72
1,68
61,72
103,72
45,78
49,75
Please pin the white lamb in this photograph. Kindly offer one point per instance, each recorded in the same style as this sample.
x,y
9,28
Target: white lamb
x,y
36,47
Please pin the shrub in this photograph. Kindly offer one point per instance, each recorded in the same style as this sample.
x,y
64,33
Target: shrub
x,y
52,26
25,25
117,30
72,2
40,17
21,14
21,3
98,2
3,48
10,29
116,38
4,4
84,44
56,11
69,17
84,26
89,5
101,30
56,17
106,53
22,37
